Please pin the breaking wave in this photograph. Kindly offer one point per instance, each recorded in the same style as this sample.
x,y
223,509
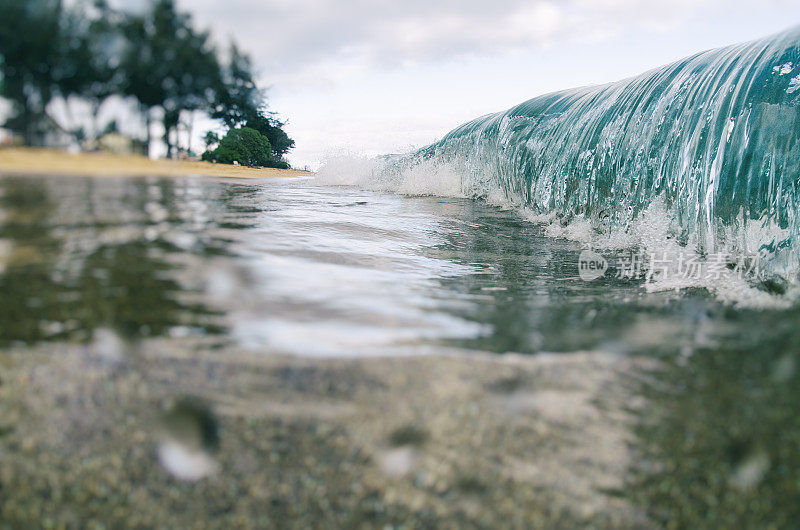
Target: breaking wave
x,y
709,146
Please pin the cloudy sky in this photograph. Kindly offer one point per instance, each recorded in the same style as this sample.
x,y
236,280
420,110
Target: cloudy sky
x,y
378,76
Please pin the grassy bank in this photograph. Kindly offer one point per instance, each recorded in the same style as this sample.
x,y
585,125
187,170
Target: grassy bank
x,y
28,161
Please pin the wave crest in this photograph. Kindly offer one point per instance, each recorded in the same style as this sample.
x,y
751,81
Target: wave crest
x,y
711,143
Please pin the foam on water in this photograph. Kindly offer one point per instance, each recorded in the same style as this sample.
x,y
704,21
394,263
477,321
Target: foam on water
x,y
379,174
653,232
653,235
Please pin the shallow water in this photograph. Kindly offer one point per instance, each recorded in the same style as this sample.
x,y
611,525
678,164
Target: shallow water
x,y
291,267
268,268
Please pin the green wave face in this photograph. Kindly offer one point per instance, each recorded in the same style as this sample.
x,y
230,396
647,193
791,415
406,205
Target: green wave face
x,y
714,136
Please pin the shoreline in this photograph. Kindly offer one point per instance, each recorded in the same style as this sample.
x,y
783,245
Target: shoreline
x,y
39,161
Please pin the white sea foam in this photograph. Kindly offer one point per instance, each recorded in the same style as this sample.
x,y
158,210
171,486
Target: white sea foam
x,y
794,85
346,169
430,178
382,174
651,233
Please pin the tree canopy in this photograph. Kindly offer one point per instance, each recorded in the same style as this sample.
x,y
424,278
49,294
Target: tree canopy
x,y
84,49
244,146
32,46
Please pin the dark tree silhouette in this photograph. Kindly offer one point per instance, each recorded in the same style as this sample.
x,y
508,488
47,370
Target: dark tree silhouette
x,y
31,43
168,65
84,49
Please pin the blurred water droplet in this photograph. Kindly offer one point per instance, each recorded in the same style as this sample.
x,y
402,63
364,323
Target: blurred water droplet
x,y
189,440
185,463
398,462
750,472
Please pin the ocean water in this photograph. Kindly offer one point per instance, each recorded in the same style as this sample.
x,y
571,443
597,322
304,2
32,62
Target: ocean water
x,y
294,267
124,298
699,157
580,312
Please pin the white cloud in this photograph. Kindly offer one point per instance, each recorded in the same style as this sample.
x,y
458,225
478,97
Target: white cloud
x,y
291,38
377,75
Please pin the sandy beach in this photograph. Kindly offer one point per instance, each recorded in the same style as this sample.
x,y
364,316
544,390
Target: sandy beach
x,y
31,161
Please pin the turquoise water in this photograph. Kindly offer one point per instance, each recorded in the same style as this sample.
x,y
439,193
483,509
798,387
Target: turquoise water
x,y
711,141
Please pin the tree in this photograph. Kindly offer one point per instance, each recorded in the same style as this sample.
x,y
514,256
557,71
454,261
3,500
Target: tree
x,y
245,146
272,129
238,97
51,51
85,50
197,74
168,65
30,40
92,38
241,103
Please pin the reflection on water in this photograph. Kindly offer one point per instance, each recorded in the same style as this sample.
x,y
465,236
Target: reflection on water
x,y
190,287
297,269
73,265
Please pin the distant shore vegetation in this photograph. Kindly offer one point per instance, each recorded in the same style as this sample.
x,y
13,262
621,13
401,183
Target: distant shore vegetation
x,y
63,62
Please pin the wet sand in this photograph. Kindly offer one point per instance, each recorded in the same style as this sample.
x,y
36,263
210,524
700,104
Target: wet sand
x,y
440,441
26,161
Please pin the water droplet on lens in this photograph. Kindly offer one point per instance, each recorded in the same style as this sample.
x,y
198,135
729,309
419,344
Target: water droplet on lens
x,y
750,472
189,440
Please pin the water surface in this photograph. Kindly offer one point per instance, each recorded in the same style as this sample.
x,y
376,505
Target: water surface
x,y
183,282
